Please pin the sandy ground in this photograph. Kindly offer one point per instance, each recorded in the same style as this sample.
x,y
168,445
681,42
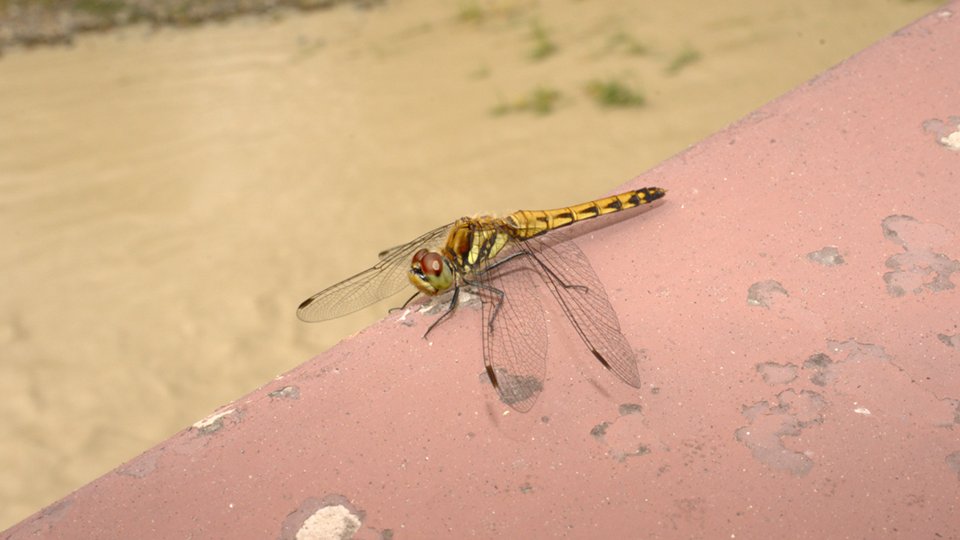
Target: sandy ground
x,y
168,197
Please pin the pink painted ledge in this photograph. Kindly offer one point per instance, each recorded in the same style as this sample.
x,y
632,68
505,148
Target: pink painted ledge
x,y
795,303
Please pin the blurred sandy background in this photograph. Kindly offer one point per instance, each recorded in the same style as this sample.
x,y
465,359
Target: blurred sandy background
x,y
169,195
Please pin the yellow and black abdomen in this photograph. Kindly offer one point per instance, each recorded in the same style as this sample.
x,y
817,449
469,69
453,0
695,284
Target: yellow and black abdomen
x,y
529,223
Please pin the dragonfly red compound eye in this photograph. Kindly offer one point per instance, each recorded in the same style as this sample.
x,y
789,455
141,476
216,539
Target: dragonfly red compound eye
x,y
417,258
431,263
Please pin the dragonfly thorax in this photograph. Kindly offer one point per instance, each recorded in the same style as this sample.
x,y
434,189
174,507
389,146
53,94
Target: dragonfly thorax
x,y
430,272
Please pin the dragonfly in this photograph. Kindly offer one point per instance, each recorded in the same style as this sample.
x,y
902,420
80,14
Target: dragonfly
x,y
502,260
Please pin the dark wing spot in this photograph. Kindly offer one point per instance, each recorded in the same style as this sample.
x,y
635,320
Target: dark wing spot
x,y
493,376
601,359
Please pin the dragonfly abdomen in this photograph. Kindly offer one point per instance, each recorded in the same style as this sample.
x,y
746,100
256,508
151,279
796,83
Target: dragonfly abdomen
x,y
529,223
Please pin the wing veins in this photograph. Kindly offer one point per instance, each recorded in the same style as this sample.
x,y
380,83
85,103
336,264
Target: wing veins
x,y
382,280
588,310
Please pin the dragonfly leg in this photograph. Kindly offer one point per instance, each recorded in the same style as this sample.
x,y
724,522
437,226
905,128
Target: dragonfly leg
x,y
447,313
545,268
405,304
500,294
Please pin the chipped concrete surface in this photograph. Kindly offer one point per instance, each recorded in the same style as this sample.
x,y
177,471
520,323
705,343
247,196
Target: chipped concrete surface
x,y
287,392
768,425
329,523
947,132
331,517
774,373
627,436
922,265
827,256
215,422
764,293
832,411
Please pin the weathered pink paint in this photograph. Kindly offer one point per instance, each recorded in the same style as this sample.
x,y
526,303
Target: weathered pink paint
x,y
788,394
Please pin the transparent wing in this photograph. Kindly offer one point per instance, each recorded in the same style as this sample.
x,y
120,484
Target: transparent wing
x,y
380,281
514,330
577,288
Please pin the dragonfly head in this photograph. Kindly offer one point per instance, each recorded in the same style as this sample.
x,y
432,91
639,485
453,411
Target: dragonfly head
x,y
430,272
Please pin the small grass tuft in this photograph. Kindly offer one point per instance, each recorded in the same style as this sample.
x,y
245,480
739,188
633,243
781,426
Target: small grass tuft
x,y
684,58
471,13
482,72
627,43
543,46
541,102
613,93
100,8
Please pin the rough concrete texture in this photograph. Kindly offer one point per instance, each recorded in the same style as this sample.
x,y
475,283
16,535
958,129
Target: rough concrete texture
x,y
796,308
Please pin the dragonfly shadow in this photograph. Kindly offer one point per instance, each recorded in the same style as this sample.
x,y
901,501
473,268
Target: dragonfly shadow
x,y
521,388
599,388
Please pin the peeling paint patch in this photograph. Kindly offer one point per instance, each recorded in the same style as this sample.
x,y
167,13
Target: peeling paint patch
x,y
857,351
954,406
331,517
821,365
944,413
827,256
774,373
920,266
765,293
953,461
851,364
599,430
824,367
141,466
947,132
402,319
42,524
805,406
329,522
438,305
950,340
628,436
215,422
952,141
630,408
772,295
769,424
287,392
56,511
